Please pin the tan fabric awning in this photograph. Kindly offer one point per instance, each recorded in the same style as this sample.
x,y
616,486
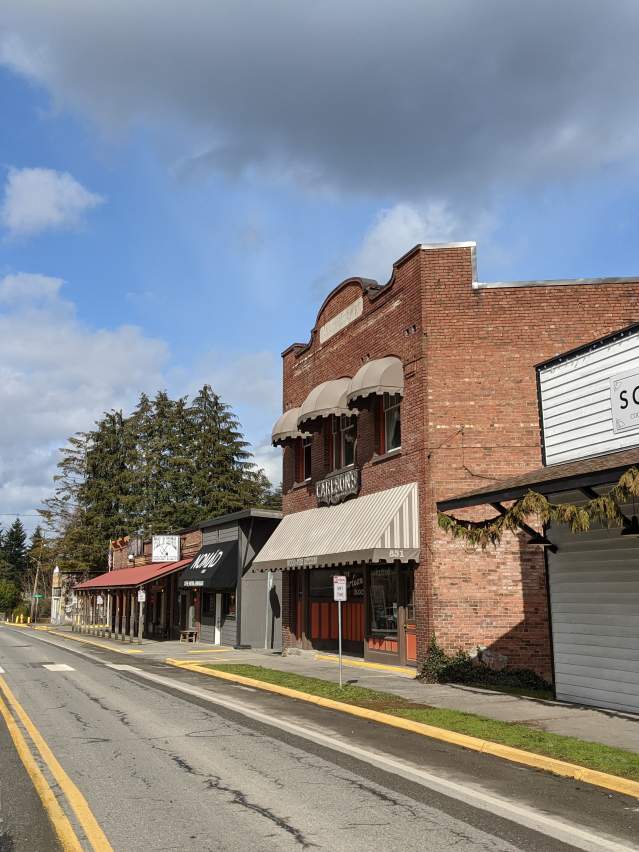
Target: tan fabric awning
x,y
383,375
324,400
285,428
379,527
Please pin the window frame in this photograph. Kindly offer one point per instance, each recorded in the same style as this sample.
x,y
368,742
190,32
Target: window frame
x,y
386,404
303,459
337,432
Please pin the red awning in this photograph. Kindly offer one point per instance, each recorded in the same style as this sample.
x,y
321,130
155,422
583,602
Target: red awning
x,y
140,575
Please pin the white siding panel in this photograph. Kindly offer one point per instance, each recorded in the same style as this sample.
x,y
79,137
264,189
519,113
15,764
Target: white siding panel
x,y
575,402
594,601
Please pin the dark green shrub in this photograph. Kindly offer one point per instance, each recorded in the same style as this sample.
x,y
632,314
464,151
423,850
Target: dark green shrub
x,y
440,667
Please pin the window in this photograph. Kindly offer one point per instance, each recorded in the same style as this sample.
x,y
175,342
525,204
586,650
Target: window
x,y
389,423
208,604
342,441
303,459
383,600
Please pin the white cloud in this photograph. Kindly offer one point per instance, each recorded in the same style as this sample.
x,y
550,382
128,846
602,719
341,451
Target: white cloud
x,y
397,229
38,200
57,376
28,287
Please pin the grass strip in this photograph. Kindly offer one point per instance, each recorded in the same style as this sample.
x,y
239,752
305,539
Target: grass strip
x,y
615,761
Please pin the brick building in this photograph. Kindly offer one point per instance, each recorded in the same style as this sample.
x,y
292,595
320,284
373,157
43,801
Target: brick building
x,y
407,394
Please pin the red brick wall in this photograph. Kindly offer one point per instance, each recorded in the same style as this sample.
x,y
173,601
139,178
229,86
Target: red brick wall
x,y
469,417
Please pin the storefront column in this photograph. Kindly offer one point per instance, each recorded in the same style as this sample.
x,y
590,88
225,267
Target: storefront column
x,y
132,597
123,626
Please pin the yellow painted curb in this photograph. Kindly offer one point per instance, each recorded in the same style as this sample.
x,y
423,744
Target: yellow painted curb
x,y
90,826
362,664
515,755
59,820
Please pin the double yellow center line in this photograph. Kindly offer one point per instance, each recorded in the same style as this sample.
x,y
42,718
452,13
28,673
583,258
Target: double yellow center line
x,y
11,711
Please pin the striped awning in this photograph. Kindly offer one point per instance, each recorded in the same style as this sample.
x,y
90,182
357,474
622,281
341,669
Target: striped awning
x,y
379,527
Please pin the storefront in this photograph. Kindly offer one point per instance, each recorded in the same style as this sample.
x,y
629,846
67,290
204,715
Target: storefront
x,y
374,541
220,597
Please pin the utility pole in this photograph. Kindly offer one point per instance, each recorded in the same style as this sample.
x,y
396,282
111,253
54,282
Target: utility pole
x,y
34,600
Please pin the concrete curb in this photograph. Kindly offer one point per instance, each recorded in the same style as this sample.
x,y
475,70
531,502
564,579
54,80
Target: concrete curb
x,y
537,761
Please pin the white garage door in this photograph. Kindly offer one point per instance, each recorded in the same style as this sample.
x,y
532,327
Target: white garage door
x,y
594,596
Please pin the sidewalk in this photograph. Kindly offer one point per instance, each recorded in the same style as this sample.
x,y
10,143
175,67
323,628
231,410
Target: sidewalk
x,y
608,727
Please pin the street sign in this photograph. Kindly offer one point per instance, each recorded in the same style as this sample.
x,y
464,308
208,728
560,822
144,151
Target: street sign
x,y
38,596
339,588
141,596
339,595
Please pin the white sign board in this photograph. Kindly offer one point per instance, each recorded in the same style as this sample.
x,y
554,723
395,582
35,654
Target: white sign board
x,y
99,600
339,588
624,399
165,548
141,596
343,318
589,399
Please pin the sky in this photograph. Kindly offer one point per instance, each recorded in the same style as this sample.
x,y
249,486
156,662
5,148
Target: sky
x,y
182,183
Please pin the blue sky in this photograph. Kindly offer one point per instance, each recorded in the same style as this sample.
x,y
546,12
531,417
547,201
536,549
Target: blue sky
x,y
189,181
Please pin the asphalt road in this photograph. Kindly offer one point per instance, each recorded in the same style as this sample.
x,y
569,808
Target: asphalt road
x,y
163,765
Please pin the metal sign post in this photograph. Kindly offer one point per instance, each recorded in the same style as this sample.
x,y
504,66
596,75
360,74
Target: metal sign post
x,y
339,595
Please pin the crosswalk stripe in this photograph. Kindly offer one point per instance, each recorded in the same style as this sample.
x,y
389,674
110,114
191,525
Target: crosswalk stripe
x,y
58,667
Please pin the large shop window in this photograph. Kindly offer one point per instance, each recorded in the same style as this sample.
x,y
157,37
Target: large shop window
x,y
384,600
342,439
303,459
389,422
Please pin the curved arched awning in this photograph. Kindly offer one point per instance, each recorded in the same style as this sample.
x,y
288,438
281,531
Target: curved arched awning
x,y
285,428
383,375
324,400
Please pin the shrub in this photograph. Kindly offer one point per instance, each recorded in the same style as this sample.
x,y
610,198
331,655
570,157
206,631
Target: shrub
x,y
440,667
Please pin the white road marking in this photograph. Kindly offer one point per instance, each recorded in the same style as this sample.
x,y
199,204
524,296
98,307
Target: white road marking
x,y
120,667
58,667
1,670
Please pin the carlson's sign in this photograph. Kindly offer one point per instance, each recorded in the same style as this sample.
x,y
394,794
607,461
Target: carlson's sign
x,y
624,399
337,487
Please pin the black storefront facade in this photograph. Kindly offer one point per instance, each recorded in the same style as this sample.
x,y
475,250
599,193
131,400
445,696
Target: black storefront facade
x,y
219,596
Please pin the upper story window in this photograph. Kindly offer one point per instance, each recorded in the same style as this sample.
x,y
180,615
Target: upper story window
x,y
303,459
389,423
342,438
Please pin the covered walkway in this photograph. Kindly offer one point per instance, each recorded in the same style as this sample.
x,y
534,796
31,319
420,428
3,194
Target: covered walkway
x,y
131,603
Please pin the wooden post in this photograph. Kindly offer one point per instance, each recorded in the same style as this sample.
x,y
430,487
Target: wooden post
x,y
141,617
132,615
117,615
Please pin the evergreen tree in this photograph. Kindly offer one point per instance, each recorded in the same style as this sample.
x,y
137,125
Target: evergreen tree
x,y
15,552
167,466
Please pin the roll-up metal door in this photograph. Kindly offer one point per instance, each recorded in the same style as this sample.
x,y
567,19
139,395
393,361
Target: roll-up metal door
x,y
594,599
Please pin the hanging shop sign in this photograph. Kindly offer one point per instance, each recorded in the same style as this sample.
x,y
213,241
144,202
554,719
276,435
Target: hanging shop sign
x,y
165,548
338,487
141,596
